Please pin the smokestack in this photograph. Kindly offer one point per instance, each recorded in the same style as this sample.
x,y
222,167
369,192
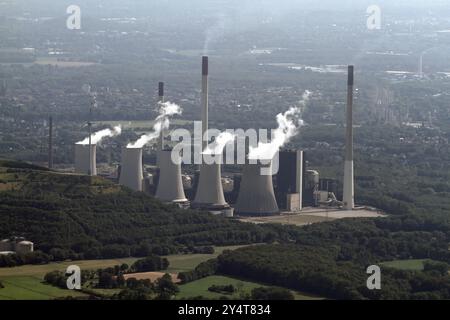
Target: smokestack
x,y
85,159
170,186
348,197
209,193
205,67
256,194
161,100
50,142
131,173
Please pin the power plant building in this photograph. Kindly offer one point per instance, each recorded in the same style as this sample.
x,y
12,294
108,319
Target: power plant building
x,y
290,180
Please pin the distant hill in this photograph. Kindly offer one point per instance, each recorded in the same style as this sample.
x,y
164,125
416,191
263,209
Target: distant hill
x,y
99,218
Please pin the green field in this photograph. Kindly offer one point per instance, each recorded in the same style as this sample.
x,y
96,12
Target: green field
x,y
412,265
200,288
186,262
41,270
31,288
25,282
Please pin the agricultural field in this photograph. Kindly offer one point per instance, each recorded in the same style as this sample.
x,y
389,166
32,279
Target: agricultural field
x,y
32,288
200,288
25,282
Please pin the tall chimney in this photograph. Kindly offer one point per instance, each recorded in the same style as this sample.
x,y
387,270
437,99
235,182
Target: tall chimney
x,y
205,119
161,100
209,194
131,172
170,186
85,159
348,198
50,142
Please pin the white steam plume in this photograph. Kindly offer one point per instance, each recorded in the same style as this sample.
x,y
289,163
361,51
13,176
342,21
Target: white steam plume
x,y
99,135
217,146
288,125
162,122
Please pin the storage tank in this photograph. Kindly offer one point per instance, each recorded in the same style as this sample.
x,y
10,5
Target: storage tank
x,y
131,172
85,161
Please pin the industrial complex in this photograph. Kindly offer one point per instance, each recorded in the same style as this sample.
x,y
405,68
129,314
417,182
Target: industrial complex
x,y
288,191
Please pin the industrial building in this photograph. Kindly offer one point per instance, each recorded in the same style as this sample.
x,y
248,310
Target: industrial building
x,y
290,180
16,245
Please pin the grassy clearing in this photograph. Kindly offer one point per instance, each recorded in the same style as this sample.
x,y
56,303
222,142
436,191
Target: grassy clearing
x,y
32,288
187,262
40,270
25,282
411,265
200,288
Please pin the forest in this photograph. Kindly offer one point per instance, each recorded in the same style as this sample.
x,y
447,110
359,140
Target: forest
x,y
76,217
330,259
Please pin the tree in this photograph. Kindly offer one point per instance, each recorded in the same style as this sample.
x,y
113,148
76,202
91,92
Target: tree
x,y
165,287
271,293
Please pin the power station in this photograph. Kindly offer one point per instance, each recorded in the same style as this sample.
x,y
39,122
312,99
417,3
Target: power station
x,y
256,192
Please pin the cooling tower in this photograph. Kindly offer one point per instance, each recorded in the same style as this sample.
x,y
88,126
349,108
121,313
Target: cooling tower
x,y
256,196
209,190
131,172
170,186
348,194
84,165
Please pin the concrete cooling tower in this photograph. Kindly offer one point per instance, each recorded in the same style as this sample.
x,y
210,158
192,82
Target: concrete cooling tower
x,y
170,185
256,195
131,173
85,161
209,190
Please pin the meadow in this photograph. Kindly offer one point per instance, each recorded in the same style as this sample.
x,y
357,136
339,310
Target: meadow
x,y
26,282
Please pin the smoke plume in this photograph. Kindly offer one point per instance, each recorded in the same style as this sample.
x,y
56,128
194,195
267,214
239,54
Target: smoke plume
x,y
99,135
216,147
288,125
167,109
